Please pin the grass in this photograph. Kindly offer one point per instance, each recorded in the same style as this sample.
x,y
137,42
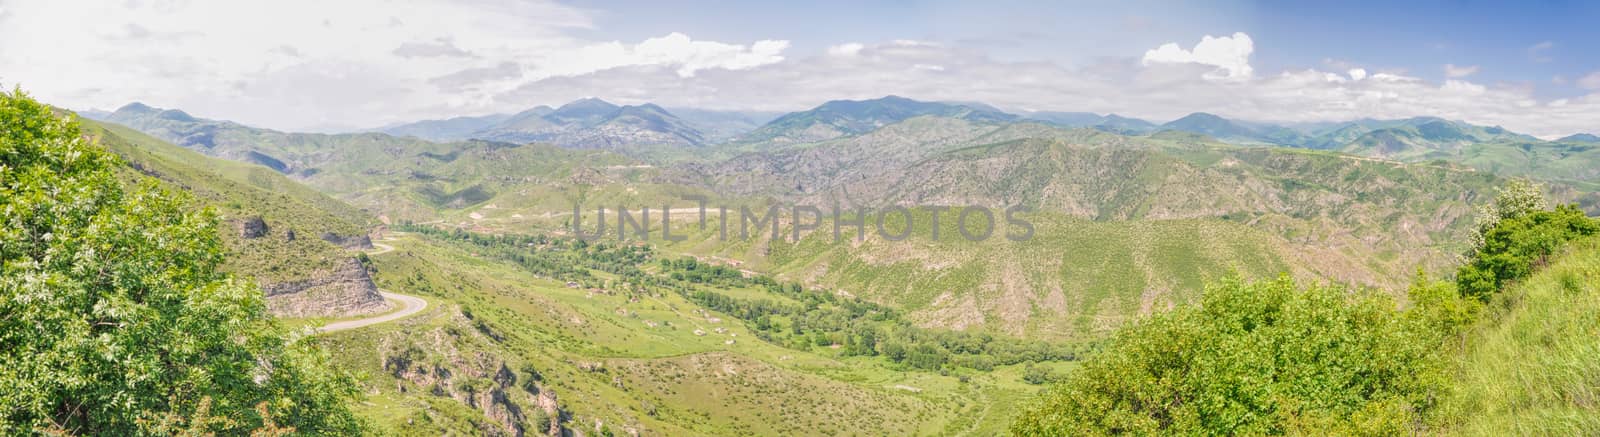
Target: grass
x,y
237,191
1530,367
598,354
1076,279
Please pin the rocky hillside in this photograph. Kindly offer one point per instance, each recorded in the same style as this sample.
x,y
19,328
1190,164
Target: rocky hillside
x,y
297,244
1145,212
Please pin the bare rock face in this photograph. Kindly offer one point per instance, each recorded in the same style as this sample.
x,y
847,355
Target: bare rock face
x,y
252,227
348,242
344,290
546,400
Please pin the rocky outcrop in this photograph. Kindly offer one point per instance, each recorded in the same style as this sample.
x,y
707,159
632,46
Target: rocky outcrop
x,y
547,402
359,242
450,363
344,290
252,227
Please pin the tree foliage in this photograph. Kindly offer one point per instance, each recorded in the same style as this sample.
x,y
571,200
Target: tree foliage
x,y
1514,246
1515,234
1517,198
113,317
1252,359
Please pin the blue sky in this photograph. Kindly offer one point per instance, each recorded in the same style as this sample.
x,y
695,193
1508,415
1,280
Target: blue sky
x,y
1533,67
1417,37
1501,37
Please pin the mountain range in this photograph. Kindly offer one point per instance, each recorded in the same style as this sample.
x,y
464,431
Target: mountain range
x,y
1132,219
592,123
656,134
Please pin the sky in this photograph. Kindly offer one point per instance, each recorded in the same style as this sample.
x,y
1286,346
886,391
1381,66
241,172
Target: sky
x,y
306,65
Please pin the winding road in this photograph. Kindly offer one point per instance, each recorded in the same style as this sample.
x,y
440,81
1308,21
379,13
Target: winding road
x,y
409,305
382,249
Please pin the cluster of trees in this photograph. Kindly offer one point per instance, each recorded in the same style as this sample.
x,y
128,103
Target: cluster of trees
x,y
692,270
805,320
566,259
1274,358
114,319
857,327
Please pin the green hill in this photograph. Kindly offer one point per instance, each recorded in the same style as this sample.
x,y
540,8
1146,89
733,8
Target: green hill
x,y
297,154
295,242
841,118
1420,137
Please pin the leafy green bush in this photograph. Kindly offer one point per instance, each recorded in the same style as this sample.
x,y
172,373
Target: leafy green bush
x,y
1513,246
113,317
1256,358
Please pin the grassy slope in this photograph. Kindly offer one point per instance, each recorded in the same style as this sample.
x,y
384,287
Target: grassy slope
x,y
1074,280
1530,367
1170,213
238,190
663,377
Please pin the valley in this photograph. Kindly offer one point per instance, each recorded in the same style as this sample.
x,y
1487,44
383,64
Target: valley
x,y
450,276
518,218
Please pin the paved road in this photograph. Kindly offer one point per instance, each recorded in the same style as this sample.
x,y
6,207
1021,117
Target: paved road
x,y
409,305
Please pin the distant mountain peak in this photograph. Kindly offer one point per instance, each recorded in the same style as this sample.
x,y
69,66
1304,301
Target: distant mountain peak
x,y
1580,138
136,108
651,107
1207,116
176,115
839,118
537,111
587,103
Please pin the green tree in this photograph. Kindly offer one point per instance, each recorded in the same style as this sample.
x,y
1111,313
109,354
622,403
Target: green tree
x,y
1036,375
1515,245
1518,198
113,317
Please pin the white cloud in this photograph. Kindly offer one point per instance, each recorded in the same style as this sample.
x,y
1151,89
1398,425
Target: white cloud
x,y
1590,82
691,56
1454,72
1229,54
846,49
295,64
1462,87
339,66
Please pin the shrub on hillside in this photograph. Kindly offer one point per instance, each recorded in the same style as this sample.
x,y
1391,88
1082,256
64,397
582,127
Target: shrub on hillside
x,y
1257,358
1513,246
